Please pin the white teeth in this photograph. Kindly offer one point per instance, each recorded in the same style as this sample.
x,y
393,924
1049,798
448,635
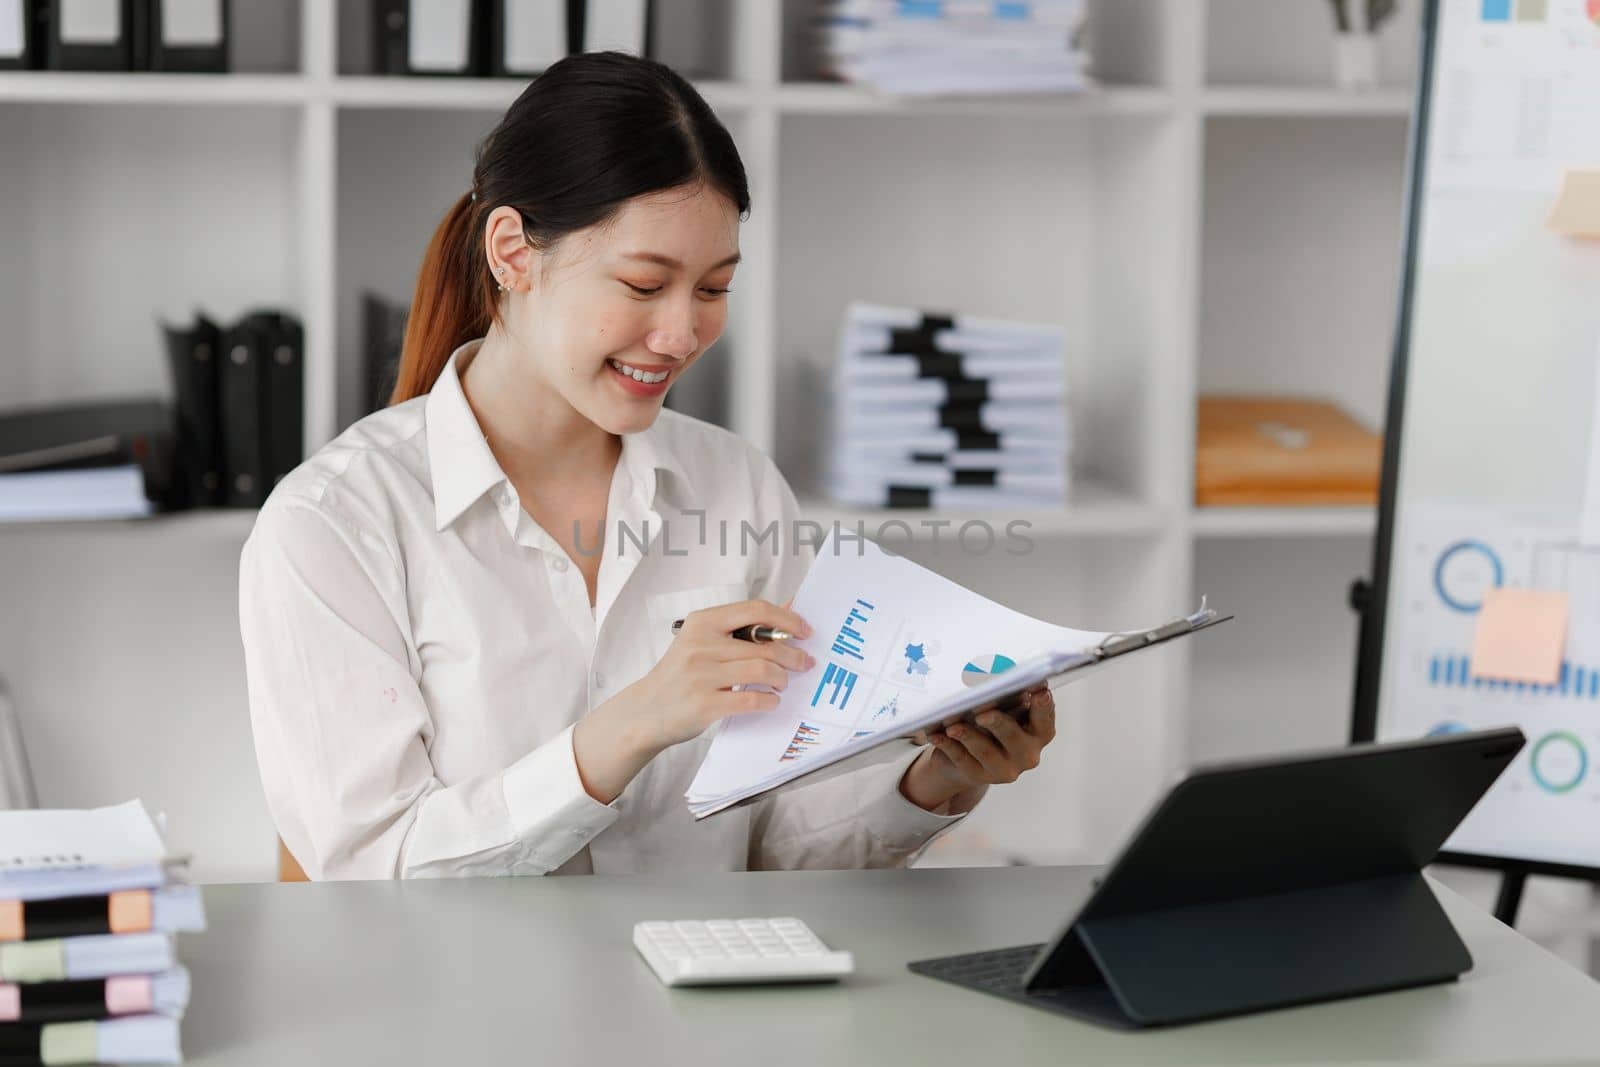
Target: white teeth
x,y
638,375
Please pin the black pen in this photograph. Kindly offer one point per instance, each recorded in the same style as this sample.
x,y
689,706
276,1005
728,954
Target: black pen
x,y
754,632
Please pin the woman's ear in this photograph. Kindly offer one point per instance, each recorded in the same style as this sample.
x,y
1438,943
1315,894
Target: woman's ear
x,y
510,259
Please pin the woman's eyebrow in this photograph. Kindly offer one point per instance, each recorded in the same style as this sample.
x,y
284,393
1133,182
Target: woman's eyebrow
x,y
668,261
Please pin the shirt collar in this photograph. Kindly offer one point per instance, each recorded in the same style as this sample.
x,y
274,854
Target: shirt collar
x,y
645,454
463,468
459,460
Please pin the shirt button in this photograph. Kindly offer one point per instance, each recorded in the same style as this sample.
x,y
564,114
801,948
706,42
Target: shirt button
x,y
599,680
559,564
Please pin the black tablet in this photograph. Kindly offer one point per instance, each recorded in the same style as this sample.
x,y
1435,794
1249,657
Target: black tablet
x,y
1261,884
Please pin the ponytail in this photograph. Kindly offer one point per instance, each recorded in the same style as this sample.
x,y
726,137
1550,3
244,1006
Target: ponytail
x,y
453,303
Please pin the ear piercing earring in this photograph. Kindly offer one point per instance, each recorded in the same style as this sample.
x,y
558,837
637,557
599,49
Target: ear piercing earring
x,y
503,286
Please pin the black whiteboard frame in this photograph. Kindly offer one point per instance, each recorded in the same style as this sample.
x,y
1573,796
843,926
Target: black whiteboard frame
x,y
1369,653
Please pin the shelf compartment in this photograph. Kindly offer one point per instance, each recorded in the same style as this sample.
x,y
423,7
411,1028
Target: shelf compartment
x,y
1033,220
1269,42
1300,252
152,210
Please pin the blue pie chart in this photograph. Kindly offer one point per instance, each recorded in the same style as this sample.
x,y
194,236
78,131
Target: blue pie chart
x,y
1464,572
980,668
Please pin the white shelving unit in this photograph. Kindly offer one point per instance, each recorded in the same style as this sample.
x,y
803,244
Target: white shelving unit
x,y
1212,216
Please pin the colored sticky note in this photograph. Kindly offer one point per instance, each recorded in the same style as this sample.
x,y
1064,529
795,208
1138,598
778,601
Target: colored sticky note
x,y
1576,212
1522,635
130,911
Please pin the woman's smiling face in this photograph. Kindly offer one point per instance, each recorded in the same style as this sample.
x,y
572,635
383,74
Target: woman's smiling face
x,y
616,313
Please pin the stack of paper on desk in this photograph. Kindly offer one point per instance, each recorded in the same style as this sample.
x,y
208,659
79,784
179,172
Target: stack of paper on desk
x,y
88,910
937,47
899,649
948,411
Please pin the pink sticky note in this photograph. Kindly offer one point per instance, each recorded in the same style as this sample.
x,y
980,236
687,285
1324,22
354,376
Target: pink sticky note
x,y
1522,634
128,994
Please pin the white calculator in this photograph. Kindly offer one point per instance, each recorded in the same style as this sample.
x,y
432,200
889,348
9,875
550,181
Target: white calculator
x,y
733,951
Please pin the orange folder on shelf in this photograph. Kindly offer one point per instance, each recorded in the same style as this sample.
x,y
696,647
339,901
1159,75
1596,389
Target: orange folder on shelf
x,y
1576,212
1279,452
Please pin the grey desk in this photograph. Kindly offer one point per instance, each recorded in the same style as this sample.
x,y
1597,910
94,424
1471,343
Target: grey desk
x,y
543,971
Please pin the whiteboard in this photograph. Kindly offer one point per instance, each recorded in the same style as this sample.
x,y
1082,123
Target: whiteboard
x,y
1492,408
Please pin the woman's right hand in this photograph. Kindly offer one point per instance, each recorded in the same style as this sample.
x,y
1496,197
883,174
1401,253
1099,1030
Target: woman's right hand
x,y
692,686
688,690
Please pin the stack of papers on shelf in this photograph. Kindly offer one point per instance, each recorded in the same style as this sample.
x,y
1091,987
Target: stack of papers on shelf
x,y
101,460
939,47
88,912
88,493
947,412
899,650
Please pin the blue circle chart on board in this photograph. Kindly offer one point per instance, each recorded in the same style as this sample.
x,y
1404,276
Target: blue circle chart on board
x,y
982,667
1559,762
1465,571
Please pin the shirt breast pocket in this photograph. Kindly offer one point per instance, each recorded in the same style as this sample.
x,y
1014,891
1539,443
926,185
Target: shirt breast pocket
x,y
665,608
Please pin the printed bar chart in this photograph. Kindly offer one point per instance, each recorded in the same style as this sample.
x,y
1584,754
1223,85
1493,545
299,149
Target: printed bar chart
x,y
1452,670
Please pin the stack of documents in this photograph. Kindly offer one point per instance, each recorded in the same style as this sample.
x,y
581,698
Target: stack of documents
x,y
900,650
934,411
103,460
939,47
88,910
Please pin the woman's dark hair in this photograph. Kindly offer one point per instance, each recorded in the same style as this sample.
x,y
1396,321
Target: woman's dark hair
x,y
590,133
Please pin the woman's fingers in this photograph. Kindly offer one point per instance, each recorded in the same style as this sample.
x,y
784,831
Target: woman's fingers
x,y
1021,748
959,757
741,701
1042,717
983,748
782,653
729,617
753,672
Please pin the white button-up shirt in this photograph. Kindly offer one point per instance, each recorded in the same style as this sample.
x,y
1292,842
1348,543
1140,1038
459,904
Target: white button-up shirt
x,y
418,649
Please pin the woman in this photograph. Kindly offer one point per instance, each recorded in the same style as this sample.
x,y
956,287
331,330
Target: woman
x,y
457,663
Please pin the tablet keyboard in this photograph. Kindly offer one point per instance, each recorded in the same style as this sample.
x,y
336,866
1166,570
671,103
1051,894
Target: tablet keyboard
x,y
999,970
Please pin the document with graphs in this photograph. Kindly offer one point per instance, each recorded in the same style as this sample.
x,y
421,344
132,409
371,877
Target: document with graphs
x,y
899,650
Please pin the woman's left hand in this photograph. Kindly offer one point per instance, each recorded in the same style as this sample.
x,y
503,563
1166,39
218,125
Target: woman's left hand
x,y
952,775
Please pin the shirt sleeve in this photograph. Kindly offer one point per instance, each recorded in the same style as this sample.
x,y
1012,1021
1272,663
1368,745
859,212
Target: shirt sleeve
x,y
342,728
859,819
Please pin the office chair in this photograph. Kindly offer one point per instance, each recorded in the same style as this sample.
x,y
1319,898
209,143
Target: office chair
x,y
288,868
